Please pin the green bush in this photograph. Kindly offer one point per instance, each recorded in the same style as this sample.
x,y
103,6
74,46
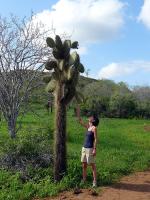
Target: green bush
x,y
31,154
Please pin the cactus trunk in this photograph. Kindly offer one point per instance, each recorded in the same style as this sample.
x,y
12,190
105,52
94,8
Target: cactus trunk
x,y
62,82
60,161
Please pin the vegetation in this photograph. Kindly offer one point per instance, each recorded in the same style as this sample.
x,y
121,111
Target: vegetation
x,y
27,163
110,99
22,53
123,148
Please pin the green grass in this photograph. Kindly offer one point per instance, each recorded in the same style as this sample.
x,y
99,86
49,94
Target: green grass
x,y
123,147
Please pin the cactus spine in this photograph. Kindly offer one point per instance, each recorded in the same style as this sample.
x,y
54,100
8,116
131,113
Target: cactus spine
x,y
62,83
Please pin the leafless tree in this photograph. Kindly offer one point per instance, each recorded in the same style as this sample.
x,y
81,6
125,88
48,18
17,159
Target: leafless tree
x,y
23,52
87,72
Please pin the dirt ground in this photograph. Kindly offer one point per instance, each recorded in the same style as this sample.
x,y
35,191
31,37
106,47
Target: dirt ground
x,y
133,187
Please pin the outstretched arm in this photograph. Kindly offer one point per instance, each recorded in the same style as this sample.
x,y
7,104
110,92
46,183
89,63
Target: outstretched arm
x,y
79,117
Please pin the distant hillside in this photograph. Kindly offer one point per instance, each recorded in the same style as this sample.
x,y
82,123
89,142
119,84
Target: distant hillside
x,y
40,95
84,81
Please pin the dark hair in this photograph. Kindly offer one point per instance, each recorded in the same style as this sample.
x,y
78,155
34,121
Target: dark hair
x,y
95,120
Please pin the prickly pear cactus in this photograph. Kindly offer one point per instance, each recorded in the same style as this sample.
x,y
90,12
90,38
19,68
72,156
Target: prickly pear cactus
x,y
66,67
62,81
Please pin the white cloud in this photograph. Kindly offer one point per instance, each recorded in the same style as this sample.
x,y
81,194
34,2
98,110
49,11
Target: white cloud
x,y
144,15
86,20
114,70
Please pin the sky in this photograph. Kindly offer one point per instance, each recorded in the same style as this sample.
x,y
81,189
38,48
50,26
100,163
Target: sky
x,y
114,35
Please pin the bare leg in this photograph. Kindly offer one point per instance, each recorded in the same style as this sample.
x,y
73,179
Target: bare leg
x,y
84,168
94,172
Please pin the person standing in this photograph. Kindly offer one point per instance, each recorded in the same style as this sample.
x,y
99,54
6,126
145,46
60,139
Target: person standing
x,y
89,147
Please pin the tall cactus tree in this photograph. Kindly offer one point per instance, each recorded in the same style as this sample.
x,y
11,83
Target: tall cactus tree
x,y
62,82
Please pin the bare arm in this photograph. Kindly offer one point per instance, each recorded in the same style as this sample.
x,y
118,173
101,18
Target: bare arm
x,y
79,118
95,140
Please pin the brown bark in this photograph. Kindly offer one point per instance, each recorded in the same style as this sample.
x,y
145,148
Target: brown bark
x,y
60,161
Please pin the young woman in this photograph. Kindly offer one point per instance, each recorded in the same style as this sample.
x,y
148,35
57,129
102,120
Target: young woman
x,y
89,147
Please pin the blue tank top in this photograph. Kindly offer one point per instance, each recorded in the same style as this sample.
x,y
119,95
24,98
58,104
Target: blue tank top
x,y
89,139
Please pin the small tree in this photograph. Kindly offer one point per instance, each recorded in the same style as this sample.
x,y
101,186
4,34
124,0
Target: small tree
x,y
21,50
97,95
62,82
142,95
87,72
122,105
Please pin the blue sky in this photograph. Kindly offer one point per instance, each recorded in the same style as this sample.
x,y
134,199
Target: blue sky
x,y
114,35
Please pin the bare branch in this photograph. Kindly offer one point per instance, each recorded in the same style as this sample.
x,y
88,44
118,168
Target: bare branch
x,y
23,52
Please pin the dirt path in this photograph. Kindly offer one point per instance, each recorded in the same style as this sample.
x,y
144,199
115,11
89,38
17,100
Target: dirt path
x,y
133,187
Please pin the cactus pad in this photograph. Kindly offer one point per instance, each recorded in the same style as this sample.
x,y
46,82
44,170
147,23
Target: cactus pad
x,y
51,65
50,42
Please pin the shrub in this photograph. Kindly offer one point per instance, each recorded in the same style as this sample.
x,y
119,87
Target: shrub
x,y
22,154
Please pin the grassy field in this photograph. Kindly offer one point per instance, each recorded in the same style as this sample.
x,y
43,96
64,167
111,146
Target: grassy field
x,y
123,147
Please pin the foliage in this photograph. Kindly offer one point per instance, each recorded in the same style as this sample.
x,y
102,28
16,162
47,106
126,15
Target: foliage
x,y
122,105
123,148
110,99
22,154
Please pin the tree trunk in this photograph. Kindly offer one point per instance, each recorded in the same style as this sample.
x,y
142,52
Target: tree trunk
x,y
12,128
60,162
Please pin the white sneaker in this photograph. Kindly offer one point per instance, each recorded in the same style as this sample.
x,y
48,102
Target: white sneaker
x,y
94,184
